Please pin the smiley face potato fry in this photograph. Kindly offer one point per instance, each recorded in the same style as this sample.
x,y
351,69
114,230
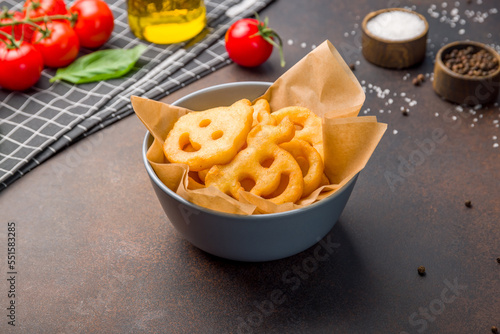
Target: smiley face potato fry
x,y
308,123
310,163
262,113
263,168
210,137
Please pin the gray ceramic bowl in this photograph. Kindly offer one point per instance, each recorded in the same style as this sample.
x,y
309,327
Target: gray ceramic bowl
x,y
244,238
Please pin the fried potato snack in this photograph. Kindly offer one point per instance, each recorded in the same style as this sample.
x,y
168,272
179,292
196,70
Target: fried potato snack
x,y
210,137
262,113
308,125
263,168
310,163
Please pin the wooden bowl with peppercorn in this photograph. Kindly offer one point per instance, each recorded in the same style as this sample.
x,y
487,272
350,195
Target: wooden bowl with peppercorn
x,y
467,73
394,37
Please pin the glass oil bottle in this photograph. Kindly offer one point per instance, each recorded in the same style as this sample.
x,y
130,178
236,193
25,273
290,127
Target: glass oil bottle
x,y
166,21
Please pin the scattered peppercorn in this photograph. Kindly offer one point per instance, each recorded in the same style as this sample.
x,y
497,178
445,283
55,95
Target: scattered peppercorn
x,y
418,80
352,66
405,112
494,329
468,204
471,62
421,270
498,259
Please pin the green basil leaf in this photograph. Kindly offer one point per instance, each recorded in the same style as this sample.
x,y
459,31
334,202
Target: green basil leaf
x,y
100,65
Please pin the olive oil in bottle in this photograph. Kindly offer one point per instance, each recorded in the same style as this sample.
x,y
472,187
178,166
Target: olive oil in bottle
x,y
166,21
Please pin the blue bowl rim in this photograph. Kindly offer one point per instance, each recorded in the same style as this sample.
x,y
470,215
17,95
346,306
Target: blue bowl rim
x,y
182,200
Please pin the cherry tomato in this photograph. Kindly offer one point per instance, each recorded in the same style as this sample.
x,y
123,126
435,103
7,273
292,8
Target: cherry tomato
x,y
18,28
95,22
45,7
20,68
249,42
61,47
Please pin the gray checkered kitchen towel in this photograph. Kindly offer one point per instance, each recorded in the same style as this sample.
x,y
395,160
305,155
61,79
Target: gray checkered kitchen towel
x,y
36,124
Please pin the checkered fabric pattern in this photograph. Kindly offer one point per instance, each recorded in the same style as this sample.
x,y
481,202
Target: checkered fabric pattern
x,y
37,123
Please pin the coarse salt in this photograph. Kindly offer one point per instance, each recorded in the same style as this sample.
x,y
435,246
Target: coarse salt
x,y
396,25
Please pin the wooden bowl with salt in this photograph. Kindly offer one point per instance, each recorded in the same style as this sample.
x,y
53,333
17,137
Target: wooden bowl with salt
x,y
394,37
467,72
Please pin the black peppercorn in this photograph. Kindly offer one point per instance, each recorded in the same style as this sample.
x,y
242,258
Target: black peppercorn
x,y
421,270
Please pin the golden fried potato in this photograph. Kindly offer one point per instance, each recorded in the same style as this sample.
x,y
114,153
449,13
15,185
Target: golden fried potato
x,y
210,137
308,125
263,168
262,113
310,163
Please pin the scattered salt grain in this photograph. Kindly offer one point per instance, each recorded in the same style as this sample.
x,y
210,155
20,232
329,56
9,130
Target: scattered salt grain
x,y
461,32
396,25
303,45
289,42
395,132
495,145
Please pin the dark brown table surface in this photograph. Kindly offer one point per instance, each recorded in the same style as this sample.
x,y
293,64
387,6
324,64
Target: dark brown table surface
x,y
96,254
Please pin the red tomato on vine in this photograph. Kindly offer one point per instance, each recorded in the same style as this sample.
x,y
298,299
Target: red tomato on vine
x,y
45,7
61,45
95,22
7,17
20,67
